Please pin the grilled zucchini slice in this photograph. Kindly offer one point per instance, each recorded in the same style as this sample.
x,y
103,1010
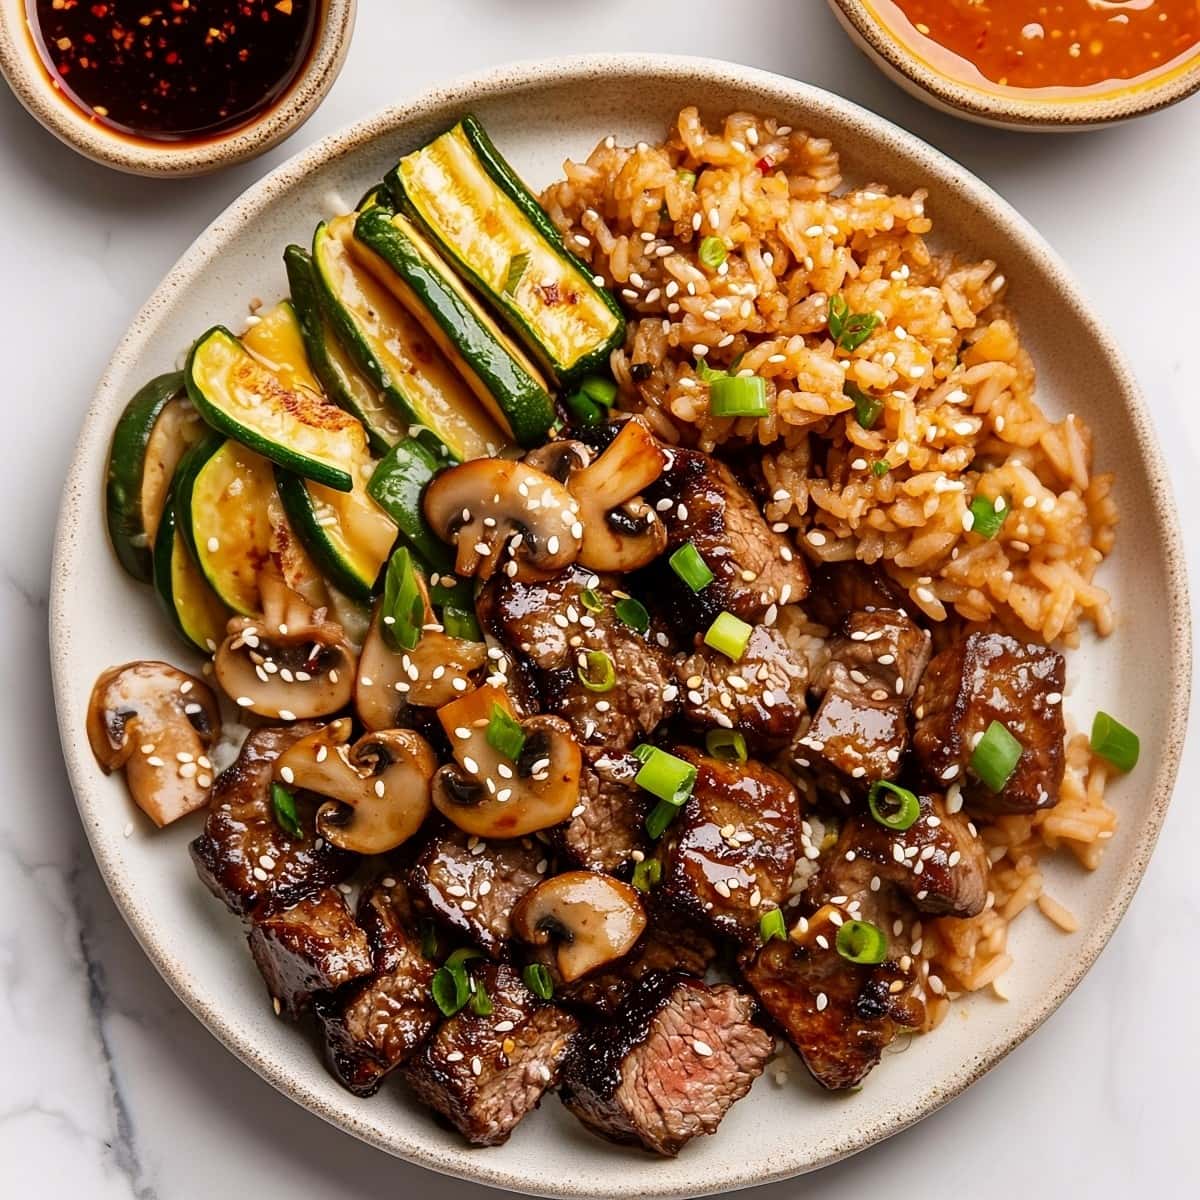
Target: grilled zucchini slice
x,y
337,372
223,503
245,399
152,435
397,486
484,219
502,376
396,354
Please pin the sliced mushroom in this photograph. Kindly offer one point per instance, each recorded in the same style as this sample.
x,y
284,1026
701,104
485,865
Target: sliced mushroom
x,y
621,532
379,787
592,918
158,723
435,671
293,664
493,796
491,505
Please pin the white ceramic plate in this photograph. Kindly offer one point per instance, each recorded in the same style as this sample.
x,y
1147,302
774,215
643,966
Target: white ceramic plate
x,y
540,114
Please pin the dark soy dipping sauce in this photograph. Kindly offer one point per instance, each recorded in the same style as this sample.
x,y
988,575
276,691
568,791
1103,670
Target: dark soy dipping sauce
x,y
173,70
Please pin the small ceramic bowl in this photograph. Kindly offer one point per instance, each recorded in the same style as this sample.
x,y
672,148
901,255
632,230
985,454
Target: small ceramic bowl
x,y
32,84
884,34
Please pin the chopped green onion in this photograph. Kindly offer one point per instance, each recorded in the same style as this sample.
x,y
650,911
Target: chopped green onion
x,y
664,775
738,396
283,805
772,925
726,744
633,613
712,252
996,757
691,568
591,600
643,752
839,310
451,986
730,635
709,374
661,815
600,389
538,981
584,410
504,733
880,468
849,329
898,816
599,675
687,178
987,515
459,623
403,608
516,269
429,939
481,1002
861,942
867,409
1114,742
646,874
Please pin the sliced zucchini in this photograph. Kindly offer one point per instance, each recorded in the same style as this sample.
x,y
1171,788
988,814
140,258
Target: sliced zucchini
x,y
488,224
156,428
374,197
502,376
275,339
348,535
243,398
340,378
194,609
396,354
397,486
223,502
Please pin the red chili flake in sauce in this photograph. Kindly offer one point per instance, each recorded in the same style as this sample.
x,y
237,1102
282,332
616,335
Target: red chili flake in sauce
x,y
765,165
1065,44
174,70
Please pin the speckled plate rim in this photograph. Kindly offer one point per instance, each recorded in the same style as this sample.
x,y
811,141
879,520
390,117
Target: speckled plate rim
x,y
924,80
789,1159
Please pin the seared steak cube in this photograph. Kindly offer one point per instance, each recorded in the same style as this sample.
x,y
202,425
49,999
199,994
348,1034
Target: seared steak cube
x,y
244,856
611,826
550,629
374,1026
763,694
838,1015
839,589
860,731
314,945
700,501
668,1065
470,885
483,1074
731,851
990,677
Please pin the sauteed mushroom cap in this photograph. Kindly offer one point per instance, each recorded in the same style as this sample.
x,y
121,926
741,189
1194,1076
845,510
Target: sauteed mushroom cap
x,y
592,919
378,787
293,664
491,506
531,784
158,723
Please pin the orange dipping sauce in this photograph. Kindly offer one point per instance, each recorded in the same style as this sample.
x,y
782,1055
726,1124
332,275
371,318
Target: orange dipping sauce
x,y
1062,44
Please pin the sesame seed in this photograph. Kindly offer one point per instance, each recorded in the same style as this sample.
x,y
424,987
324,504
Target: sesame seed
x,y
702,1048
822,1002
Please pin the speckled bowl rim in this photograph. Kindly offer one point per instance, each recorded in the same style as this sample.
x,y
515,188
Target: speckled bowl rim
x,y
889,52
30,83
76,513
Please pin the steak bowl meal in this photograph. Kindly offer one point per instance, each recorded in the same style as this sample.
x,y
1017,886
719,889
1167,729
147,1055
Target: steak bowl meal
x,y
626,629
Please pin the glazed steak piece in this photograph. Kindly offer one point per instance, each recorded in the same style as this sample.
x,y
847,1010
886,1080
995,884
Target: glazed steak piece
x,y
839,589
611,827
763,694
668,1064
374,1026
312,946
700,500
244,856
730,853
860,731
990,677
549,627
471,885
483,1074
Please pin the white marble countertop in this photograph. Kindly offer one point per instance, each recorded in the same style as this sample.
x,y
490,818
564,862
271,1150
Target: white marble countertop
x,y
109,1089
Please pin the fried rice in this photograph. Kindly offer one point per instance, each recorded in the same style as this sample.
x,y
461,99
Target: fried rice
x,y
958,420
